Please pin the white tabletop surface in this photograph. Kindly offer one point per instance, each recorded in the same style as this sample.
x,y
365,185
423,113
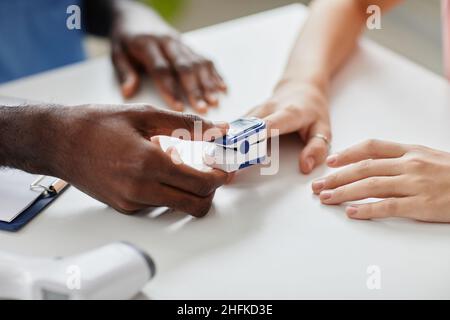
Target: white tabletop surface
x,y
266,236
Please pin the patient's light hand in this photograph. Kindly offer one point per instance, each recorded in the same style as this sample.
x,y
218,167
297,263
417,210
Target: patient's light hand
x,y
414,181
303,108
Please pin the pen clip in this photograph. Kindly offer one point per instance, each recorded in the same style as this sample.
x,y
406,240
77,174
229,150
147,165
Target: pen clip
x,y
37,186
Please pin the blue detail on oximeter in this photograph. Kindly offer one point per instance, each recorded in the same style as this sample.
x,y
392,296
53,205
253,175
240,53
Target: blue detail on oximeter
x,y
241,129
251,162
245,147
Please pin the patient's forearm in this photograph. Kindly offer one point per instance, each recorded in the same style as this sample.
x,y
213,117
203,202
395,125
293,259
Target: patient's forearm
x,y
328,37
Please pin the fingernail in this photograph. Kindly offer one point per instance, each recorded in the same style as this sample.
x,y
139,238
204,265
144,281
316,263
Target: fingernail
x,y
351,210
175,156
208,160
128,86
213,99
202,105
310,163
332,159
318,184
155,140
325,195
221,125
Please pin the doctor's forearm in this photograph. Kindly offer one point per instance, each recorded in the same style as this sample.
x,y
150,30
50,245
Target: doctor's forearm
x,y
327,39
26,136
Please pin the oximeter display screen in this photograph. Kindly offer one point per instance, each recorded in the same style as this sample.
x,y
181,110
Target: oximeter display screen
x,y
240,125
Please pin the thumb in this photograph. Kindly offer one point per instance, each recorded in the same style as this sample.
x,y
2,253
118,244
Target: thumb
x,y
125,71
187,126
316,150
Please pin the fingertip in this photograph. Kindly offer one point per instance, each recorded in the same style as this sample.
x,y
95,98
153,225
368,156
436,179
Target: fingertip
x,y
351,211
354,212
212,100
174,155
310,163
129,86
222,125
201,106
317,186
303,167
222,86
306,163
209,160
155,140
220,128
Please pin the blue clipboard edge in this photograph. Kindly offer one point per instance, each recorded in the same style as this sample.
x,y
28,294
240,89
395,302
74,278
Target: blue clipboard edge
x,y
31,212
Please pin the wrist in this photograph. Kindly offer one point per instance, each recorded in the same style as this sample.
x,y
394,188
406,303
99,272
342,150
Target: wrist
x,y
134,18
318,81
300,86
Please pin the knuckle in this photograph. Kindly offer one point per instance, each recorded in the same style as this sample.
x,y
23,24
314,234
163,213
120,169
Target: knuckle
x,y
293,110
421,181
183,66
319,147
367,210
340,192
416,163
332,180
125,206
428,201
131,190
136,109
190,120
141,164
202,206
161,68
269,106
391,207
371,145
205,188
417,148
207,63
364,166
373,183
165,38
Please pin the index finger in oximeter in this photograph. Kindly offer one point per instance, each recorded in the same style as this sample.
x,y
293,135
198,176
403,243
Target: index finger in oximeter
x,y
244,145
247,129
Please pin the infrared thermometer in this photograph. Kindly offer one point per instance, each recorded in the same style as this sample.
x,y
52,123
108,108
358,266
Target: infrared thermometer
x,y
115,271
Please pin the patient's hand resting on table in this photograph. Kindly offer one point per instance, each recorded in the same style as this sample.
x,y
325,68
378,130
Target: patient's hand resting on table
x,y
413,180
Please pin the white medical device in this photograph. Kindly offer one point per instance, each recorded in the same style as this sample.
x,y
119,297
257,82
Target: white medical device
x,y
244,145
115,271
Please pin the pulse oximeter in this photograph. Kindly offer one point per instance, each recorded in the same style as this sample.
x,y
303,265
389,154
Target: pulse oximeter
x,y
244,144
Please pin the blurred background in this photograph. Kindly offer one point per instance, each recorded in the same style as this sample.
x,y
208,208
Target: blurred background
x,y
412,29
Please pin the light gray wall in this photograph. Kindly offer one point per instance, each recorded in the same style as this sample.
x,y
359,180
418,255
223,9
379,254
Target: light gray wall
x,y
412,29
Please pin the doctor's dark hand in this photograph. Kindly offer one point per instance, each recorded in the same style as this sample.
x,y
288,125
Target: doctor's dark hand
x,y
299,107
107,152
142,40
413,181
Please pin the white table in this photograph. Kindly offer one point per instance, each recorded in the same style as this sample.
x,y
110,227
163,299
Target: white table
x,y
266,236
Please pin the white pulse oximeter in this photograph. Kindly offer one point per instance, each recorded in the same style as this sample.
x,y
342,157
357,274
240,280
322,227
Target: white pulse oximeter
x,y
244,144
